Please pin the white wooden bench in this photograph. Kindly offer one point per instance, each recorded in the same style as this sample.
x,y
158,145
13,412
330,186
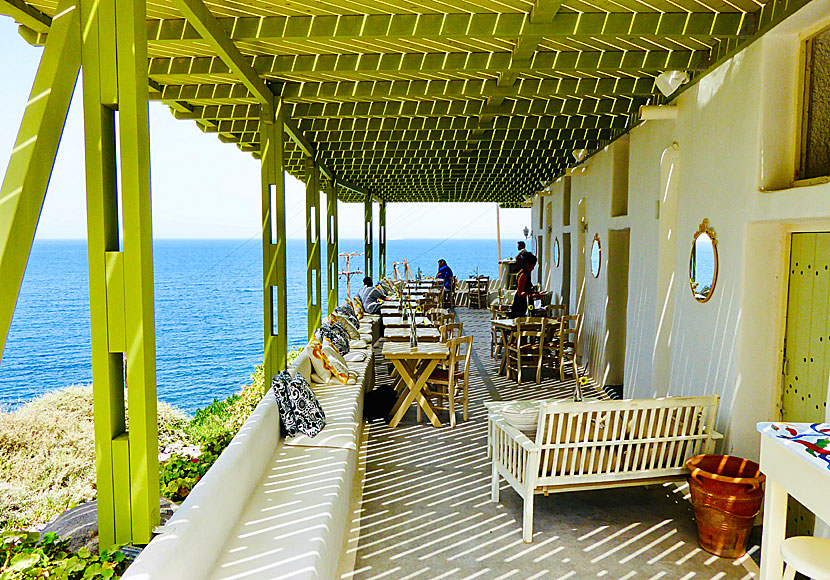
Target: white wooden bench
x,y
599,444
270,508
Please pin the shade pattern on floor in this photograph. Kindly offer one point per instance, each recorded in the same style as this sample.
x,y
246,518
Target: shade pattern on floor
x,y
426,511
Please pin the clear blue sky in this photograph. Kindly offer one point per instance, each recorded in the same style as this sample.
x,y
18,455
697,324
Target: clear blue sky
x,y
203,188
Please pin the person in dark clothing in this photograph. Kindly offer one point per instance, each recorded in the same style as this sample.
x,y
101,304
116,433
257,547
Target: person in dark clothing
x,y
522,251
524,292
445,273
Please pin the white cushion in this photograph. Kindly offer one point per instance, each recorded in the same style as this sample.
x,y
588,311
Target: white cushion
x,y
295,521
302,364
343,405
359,343
356,356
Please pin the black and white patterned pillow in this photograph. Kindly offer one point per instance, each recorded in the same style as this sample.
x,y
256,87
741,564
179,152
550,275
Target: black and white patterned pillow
x,y
300,411
349,314
336,334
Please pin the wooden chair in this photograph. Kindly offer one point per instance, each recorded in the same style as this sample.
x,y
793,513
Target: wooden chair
x,y
449,293
497,312
451,331
447,383
528,344
444,319
478,292
568,335
556,310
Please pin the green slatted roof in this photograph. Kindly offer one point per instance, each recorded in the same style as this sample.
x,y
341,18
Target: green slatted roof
x,y
450,100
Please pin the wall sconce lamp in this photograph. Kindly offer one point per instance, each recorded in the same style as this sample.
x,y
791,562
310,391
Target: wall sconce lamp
x,y
669,81
584,223
579,154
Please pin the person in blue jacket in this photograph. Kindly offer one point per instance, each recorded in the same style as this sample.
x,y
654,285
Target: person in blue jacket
x,y
445,273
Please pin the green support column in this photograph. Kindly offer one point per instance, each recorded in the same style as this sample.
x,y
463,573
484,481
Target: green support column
x,y
274,287
367,237
30,166
121,272
332,259
312,216
382,240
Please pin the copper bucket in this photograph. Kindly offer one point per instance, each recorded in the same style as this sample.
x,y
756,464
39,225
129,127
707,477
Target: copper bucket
x,y
727,495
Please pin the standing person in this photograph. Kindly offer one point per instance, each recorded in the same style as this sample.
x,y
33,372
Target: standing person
x,y
445,273
524,290
370,296
522,251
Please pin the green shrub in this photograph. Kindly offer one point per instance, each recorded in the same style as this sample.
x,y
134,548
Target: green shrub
x,y
26,555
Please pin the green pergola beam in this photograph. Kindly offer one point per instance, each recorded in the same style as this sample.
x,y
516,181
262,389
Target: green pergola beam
x,y
422,65
26,15
313,269
416,90
207,28
30,166
462,27
367,237
382,240
332,257
275,286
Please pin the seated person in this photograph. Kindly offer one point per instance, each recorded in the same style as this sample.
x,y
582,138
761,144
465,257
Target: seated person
x,y
445,274
370,297
524,291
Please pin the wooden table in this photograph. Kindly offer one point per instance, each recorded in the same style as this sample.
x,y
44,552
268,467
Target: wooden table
x,y
415,366
397,321
790,470
507,326
400,334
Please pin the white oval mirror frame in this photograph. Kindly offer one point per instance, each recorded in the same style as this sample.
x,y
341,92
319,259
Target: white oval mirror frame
x,y
703,263
596,256
556,253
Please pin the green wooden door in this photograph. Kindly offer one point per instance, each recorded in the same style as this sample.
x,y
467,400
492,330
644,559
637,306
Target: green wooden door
x,y
807,363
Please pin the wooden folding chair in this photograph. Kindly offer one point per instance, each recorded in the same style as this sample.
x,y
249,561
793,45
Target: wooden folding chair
x,y
569,327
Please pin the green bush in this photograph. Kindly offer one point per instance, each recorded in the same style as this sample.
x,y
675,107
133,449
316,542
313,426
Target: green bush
x,y
26,555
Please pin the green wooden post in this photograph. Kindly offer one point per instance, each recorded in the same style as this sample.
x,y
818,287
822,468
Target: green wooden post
x,y
275,304
312,216
332,234
30,166
367,237
121,273
382,240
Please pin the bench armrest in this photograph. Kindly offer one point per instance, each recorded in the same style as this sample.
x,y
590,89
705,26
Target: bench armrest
x,y
520,438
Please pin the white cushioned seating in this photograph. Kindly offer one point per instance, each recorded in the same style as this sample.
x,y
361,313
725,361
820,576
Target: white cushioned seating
x,y
343,405
294,524
271,508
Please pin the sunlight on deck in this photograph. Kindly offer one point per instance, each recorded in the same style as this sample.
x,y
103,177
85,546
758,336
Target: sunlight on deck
x,y
427,514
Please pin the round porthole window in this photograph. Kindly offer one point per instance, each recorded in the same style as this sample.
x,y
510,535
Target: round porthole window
x,y
703,263
596,255
556,253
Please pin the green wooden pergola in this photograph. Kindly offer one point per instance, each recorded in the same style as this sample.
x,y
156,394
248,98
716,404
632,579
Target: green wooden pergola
x,y
366,100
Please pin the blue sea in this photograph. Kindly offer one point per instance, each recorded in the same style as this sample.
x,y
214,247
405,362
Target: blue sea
x,y
208,312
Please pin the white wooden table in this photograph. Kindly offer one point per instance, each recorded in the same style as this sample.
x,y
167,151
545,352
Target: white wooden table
x,y
791,470
398,322
415,366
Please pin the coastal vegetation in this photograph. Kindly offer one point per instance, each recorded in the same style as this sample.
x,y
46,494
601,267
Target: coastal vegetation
x,y
47,452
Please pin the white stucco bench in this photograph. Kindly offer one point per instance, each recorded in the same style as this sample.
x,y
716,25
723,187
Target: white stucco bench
x,y
599,444
270,508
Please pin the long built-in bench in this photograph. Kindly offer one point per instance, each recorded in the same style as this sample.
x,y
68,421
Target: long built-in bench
x,y
272,508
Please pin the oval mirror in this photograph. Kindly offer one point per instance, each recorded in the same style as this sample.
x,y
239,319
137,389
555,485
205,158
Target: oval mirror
x,y
556,253
596,254
703,263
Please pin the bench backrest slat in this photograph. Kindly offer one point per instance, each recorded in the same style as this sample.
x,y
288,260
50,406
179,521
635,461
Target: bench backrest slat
x,y
601,437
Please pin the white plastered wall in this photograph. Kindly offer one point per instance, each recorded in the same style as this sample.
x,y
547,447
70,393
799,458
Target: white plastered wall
x,y
727,157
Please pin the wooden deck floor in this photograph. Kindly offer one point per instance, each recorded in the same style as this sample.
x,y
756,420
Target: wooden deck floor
x,y
426,511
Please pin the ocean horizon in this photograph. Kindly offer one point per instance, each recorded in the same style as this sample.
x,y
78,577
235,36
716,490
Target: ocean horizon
x,y
208,311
